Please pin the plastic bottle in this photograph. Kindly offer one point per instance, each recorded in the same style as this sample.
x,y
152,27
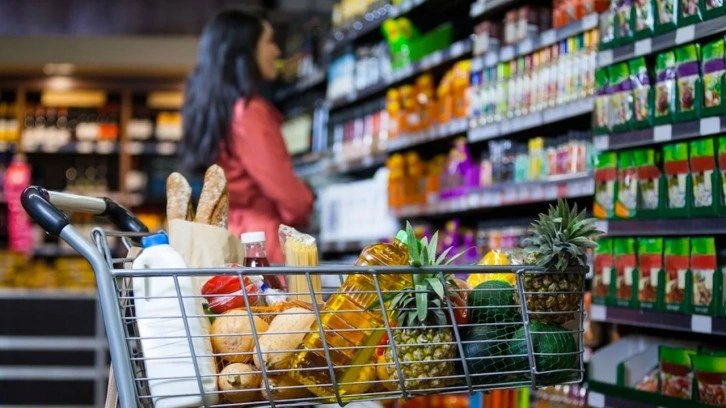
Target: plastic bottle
x,y
309,366
163,334
256,257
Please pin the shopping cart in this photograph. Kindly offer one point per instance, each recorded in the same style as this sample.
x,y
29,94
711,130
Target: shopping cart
x,y
255,352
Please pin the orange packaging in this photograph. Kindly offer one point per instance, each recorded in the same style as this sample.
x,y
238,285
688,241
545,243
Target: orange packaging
x,y
412,120
445,101
460,87
393,107
424,99
396,180
436,168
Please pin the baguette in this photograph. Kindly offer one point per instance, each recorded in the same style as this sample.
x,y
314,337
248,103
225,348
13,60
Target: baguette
x,y
212,198
178,198
221,211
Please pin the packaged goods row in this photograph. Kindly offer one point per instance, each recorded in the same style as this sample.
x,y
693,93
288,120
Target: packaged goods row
x,y
415,181
683,275
9,127
680,180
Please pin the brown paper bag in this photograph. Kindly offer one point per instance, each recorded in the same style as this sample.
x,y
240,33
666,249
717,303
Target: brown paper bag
x,y
204,246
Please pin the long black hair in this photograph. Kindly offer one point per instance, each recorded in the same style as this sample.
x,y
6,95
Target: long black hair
x,y
226,71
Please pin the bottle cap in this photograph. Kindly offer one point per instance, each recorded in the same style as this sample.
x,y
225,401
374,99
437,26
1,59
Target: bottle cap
x,y
251,237
402,236
155,239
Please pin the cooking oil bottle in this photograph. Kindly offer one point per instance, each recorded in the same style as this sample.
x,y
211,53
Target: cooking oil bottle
x,y
353,325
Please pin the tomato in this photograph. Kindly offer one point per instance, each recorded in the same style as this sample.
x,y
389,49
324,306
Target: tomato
x,y
459,299
381,348
225,292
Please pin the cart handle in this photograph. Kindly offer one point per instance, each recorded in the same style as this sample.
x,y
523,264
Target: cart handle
x,y
44,207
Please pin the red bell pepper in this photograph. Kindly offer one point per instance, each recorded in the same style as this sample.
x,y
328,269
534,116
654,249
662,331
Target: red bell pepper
x,y
225,292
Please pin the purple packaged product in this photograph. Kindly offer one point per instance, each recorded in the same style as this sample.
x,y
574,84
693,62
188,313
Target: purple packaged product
x,y
458,167
624,31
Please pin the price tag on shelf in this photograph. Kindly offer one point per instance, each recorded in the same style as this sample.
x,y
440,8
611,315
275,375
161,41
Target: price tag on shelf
x,y
643,47
602,225
686,34
105,147
437,58
710,126
84,147
663,133
134,148
551,192
477,9
506,53
537,193
601,142
547,37
605,58
510,195
457,49
598,313
473,201
491,59
525,47
427,63
477,64
595,399
701,324
591,21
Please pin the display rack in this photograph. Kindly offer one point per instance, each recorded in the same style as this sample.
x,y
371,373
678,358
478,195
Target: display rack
x,y
659,320
661,134
480,9
664,227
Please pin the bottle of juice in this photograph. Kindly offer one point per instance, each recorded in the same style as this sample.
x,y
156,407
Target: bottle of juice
x,y
352,330
256,256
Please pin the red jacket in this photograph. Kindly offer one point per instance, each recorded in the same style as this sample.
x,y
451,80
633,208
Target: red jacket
x,y
264,191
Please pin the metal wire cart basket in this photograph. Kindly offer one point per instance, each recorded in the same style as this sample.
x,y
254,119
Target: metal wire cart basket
x,y
336,345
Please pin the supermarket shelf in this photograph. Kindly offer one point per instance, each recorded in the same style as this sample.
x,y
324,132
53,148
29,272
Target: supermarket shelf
x,y
662,42
366,163
661,134
660,227
151,148
301,86
371,21
438,132
603,395
658,320
530,121
453,52
17,293
45,343
507,194
102,148
479,9
546,38
51,373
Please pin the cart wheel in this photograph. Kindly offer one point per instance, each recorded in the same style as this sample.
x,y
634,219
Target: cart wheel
x,y
111,392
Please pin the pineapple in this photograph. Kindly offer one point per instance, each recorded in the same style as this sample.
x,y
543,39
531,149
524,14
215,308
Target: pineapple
x,y
558,240
422,350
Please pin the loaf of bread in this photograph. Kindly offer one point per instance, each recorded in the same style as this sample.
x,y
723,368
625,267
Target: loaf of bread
x,y
213,202
178,198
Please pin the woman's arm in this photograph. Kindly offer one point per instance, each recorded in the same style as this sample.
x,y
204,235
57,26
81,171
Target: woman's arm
x,y
257,141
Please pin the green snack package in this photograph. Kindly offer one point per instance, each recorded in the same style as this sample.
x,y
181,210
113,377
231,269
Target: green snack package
x,y
690,12
642,94
707,283
643,18
626,262
713,68
678,180
600,120
650,266
712,8
606,188
651,183
621,98
705,182
676,259
665,88
666,15
710,373
626,202
689,82
625,26
722,172
604,266
676,376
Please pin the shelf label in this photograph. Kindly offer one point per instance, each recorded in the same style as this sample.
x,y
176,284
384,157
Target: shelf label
x,y
84,147
686,34
663,133
457,49
601,142
477,64
477,9
437,58
598,313
605,58
134,148
643,47
710,126
105,147
591,21
602,225
548,37
595,399
525,47
701,324
491,59
506,53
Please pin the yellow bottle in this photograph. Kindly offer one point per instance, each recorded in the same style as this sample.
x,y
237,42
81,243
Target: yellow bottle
x,y
352,331
494,257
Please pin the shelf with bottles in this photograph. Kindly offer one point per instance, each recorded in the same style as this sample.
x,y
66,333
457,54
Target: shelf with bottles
x,y
74,121
662,189
481,8
546,86
658,31
509,173
9,124
145,180
155,125
302,85
352,19
640,371
353,79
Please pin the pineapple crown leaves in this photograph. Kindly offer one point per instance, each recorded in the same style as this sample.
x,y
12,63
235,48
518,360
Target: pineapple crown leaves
x,y
561,237
415,306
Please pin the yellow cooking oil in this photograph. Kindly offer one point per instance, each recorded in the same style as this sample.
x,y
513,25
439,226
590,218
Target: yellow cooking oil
x,y
353,326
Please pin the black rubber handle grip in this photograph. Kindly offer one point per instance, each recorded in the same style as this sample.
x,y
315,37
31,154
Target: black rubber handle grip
x,y
38,206
122,218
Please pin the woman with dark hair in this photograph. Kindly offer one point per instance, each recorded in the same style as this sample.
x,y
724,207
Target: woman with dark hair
x,y
227,122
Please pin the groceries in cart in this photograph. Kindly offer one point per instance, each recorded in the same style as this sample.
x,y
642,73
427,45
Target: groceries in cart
x,y
200,326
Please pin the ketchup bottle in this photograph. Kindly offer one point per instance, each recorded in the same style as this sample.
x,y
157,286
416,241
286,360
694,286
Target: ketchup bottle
x,y
256,256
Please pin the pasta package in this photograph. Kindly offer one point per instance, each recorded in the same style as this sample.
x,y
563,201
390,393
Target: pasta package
x,y
301,250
